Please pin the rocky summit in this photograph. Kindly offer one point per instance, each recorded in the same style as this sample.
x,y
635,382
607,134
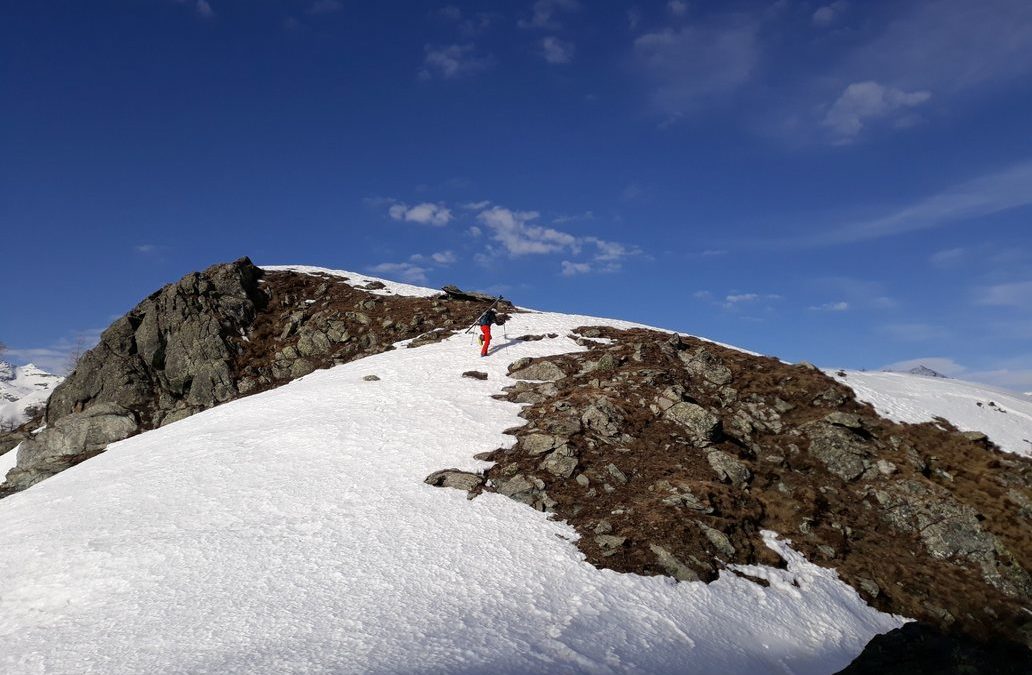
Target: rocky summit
x,y
214,336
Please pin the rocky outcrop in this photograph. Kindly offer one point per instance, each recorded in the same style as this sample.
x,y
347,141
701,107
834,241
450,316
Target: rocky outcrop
x,y
671,455
213,336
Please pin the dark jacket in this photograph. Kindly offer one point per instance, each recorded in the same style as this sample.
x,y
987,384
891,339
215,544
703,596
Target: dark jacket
x,y
487,318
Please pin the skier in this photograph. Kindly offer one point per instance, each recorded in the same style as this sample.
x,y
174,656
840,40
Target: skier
x,y
485,321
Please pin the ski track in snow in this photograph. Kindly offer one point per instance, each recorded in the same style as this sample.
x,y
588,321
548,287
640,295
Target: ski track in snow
x,y
914,398
291,531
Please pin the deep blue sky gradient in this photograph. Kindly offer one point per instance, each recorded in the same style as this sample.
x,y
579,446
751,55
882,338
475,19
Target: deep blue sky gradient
x,y
846,183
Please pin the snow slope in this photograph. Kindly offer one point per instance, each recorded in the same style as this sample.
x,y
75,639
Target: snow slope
x,y
913,398
291,531
22,387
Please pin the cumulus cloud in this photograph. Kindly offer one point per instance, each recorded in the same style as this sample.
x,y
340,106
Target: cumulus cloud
x,y
556,51
864,102
677,7
574,268
829,14
840,306
444,257
453,61
545,14
426,213
519,235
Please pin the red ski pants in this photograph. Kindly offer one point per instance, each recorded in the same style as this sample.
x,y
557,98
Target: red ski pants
x,y
486,330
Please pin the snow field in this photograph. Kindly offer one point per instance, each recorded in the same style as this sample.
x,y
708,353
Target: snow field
x,y
913,398
291,532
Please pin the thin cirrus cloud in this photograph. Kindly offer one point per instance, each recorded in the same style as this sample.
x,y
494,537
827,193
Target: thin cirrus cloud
x,y
1017,294
977,198
864,102
696,65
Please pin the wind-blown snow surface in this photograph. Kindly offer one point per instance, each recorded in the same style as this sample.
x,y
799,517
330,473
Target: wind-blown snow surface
x,y
22,387
912,398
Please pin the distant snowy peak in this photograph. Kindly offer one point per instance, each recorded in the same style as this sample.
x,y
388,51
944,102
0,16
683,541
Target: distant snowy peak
x,y
22,388
923,371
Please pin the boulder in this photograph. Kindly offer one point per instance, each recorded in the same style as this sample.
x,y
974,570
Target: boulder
x,y
453,478
728,468
706,365
540,370
702,426
672,566
70,440
844,452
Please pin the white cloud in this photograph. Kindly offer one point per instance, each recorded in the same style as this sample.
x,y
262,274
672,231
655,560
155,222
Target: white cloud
x,y
145,248
702,295
444,257
742,297
1017,294
556,51
406,271
544,14
519,235
828,14
204,9
632,192
325,7
574,268
474,231
677,7
515,231
698,64
948,257
864,102
453,61
450,12
840,306
425,214
476,206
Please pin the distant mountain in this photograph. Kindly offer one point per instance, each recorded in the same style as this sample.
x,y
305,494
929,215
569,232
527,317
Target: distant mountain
x,y
923,371
21,388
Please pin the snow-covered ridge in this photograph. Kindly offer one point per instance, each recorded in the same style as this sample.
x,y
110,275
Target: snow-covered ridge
x,y
291,531
23,387
1004,416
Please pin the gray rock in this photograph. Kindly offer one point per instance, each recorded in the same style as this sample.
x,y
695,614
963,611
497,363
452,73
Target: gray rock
x,y
706,365
453,478
846,454
617,474
975,436
847,420
540,370
539,444
672,565
728,468
475,375
561,463
702,426
718,539
583,480
602,417
68,441
610,541
371,378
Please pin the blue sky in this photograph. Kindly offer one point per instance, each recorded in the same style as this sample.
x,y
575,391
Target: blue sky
x,y
848,183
